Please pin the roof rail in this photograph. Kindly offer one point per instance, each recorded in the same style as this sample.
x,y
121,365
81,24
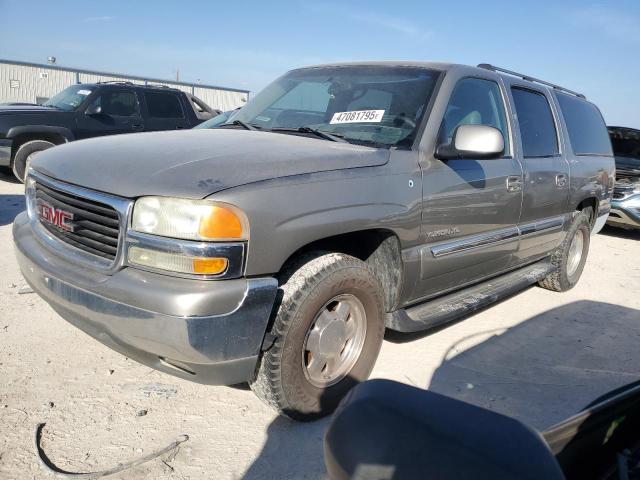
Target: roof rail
x,y
118,81
488,66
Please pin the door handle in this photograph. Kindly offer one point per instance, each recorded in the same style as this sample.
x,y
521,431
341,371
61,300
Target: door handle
x,y
561,180
137,126
514,184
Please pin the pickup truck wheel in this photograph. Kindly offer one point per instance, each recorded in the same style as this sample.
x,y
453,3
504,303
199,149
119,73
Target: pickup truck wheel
x,y
24,154
570,257
328,328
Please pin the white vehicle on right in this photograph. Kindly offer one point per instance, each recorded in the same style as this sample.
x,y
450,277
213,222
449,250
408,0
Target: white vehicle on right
x,y
625,205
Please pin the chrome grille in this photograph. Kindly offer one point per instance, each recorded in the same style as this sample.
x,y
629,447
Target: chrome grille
x,y
95,226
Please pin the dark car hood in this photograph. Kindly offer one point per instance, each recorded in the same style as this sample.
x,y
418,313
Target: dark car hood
x,y
196,163
26,109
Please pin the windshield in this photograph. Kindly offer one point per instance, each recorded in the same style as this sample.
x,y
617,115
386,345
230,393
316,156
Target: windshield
x,y
626,147
70,98
377,105
217,120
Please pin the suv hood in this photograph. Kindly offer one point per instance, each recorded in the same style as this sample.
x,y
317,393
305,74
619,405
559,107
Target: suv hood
x,y
26,109
196,163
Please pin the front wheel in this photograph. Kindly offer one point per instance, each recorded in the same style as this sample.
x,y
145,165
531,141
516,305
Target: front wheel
x,y
569,258
328,328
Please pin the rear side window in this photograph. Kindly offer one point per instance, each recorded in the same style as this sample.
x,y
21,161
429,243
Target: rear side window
x,y
587,131
537,128
163,105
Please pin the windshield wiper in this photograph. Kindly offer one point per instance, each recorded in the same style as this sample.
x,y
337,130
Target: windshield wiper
x,y
240,123
318,133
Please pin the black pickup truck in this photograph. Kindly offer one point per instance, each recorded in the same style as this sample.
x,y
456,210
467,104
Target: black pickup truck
x,y
92,110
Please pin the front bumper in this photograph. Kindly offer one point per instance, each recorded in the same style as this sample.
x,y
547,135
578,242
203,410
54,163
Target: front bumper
x,y
205,331
625,213
5,152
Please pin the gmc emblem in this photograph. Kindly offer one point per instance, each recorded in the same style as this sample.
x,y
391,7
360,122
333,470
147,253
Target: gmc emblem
x,y
55,216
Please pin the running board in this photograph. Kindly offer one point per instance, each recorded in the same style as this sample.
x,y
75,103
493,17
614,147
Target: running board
x,y
455,305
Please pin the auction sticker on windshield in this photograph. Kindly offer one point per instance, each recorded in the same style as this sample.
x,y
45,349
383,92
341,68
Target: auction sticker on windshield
x,y
357,116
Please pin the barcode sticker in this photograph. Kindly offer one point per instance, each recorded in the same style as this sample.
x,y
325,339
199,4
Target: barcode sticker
x,y
357,116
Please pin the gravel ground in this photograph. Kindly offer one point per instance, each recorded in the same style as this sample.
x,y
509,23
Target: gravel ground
x,y
538,356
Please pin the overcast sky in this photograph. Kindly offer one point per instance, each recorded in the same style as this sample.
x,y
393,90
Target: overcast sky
x,y
589,47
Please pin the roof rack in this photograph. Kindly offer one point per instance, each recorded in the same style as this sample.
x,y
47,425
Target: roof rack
x,y
488,66
118,81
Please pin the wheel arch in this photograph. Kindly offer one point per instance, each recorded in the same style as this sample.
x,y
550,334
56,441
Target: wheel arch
x,y
379,248
589,202
23,134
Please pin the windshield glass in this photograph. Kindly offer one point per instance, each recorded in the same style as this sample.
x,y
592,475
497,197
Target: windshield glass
x,y
70,98
626,147
217,120
378,105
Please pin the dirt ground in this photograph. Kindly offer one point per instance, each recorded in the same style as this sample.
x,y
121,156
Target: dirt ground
x,y
538,356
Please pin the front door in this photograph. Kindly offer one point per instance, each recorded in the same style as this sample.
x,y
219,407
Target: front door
x,y
546,173
470,207
110,111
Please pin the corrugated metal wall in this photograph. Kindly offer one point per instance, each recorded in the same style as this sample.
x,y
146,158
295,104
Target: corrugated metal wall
x,y
23,83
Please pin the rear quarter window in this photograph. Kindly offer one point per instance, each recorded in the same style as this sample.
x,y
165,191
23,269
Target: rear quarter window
x,y
587,132
163,105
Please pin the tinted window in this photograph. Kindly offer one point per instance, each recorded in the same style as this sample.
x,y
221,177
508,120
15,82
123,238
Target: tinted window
x,y
117,103
475,102
163,105
587,131
306,96
537,128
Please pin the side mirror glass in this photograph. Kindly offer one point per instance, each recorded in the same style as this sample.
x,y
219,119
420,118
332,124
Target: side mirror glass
x,y
473,142
93,109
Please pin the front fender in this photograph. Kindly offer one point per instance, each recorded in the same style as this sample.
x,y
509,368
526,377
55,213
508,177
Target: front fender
x,y
64,132
288,213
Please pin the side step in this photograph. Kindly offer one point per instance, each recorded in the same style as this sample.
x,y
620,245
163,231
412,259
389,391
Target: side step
x,y
468,300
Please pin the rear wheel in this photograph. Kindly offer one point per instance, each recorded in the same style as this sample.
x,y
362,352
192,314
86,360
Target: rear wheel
x,y
569,258
329,328
25,153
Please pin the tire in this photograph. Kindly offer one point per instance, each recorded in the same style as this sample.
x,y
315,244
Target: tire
x,y
22,157
287,377
568,271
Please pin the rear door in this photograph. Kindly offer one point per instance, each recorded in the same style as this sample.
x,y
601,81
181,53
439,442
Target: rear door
x,y
470,207
163,111
546,171
118,112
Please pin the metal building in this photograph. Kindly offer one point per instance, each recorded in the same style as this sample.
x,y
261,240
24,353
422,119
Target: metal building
x,y
35,83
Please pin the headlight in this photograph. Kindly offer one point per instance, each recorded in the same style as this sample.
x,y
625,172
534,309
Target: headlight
x,y
204,220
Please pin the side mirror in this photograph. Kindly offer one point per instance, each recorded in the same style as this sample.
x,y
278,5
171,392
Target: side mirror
x,y
93,109
474,142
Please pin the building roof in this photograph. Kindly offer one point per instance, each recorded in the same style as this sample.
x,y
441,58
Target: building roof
x,y
121,75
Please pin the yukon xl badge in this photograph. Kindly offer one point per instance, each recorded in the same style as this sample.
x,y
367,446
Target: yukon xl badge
x,y
444,232
55,216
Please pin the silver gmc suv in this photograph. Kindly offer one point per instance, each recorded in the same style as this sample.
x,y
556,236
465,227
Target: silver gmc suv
x,y
341,200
